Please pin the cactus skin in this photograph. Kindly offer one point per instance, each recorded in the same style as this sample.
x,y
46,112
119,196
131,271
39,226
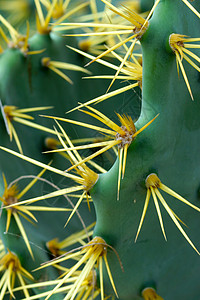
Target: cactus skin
x,y
146,5
169,148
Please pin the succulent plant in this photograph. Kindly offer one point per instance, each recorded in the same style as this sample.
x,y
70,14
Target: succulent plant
x,y
102,202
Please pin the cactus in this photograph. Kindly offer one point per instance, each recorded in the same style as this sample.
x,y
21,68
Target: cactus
x,y
107,226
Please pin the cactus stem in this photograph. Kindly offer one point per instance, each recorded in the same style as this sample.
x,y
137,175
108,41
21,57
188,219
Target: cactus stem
x,y
153,184
11,266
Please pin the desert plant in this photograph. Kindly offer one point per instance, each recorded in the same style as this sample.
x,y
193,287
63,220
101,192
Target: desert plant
x,y
154,180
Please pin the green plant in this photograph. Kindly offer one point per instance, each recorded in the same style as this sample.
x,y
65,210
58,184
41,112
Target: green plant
x,y
126,255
